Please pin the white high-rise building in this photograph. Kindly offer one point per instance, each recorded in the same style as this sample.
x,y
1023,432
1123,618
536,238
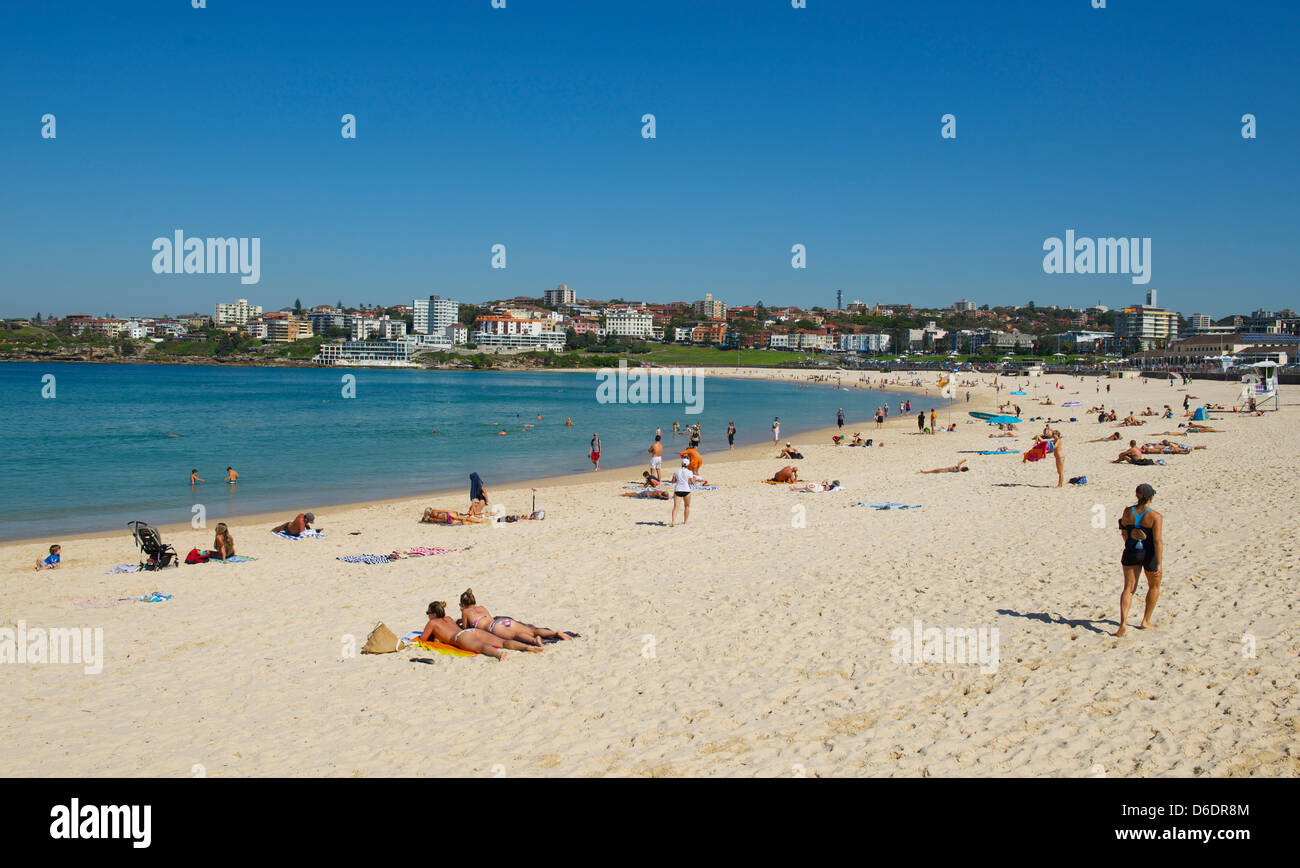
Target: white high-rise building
x,y
629,321
236,314
433,315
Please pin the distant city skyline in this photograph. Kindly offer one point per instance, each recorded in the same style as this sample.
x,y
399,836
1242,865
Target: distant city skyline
x,y
773,127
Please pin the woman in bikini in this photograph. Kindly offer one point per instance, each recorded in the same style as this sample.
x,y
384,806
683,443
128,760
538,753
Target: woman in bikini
x,y
445,630
1144,549
474,616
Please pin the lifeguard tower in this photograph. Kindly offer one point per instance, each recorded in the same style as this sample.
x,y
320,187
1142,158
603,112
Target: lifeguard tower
x,y
1260,384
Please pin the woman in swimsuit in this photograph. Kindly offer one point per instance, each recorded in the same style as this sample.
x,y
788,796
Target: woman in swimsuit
x,y
474,616
445,630
1144,547
956,468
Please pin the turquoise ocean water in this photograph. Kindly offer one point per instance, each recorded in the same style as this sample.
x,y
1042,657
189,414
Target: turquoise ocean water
x,y
98,454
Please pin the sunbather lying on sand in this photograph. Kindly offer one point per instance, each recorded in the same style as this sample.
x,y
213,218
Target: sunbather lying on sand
x,y
956,468
660,494
789,473
1003,434
472,615
832,485
445,630
433,515
1130,419
1203,429
1114,436
1166,447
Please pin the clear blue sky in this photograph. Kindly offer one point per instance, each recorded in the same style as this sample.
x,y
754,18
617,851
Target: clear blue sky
x,y
523,126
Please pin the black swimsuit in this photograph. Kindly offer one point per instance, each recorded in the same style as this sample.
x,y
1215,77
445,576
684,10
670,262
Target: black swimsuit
x,y
1138,552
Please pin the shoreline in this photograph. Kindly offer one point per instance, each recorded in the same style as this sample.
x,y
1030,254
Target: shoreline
x,y
979,402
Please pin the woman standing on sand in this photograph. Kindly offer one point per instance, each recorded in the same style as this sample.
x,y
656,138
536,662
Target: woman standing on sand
x,y
1144,550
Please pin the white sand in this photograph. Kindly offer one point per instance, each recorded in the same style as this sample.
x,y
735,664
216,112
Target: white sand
x,y
772,643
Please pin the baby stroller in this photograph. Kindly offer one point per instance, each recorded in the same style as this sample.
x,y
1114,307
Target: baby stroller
x,y
154,553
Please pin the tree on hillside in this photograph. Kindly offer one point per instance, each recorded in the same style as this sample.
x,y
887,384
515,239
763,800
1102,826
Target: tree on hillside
x,y
297,305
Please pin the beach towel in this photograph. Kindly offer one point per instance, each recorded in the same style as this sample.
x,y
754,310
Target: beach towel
x,y
425,551
308,533
365,559
1003,452
153,597
233,559
412,640
1040,450
889,505
125,568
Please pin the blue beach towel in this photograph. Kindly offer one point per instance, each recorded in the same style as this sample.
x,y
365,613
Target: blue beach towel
x,y
889,505
153,597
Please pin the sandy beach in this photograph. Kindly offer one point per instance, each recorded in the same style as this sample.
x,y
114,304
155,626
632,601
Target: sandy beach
x,y
760,639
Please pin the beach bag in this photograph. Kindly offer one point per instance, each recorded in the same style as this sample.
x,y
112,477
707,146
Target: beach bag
x,y
380,641
195,557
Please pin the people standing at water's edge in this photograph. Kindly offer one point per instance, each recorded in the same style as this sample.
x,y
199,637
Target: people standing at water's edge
x,y
695,437
595,451
776,428
920,422
656,451
839,418
731,434
1144,547
934,420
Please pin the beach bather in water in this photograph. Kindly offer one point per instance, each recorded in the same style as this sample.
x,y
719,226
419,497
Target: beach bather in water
x,y
472,615
445,630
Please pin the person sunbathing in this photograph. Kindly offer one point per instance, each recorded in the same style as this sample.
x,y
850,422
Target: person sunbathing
x,y
1203,429
300,523
789,473
433,515
660,494
857,440
789,452
1149,412
649,480
833,485
445,630
956,468
1131,454
1003,434
472,615
1114,436
1130,419
1168,447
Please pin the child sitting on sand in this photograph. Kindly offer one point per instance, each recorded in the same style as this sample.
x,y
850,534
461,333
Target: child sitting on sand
x,y
52,560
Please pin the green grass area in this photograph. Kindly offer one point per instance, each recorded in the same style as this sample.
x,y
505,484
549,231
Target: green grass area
x,y
184,348
675,355
303,349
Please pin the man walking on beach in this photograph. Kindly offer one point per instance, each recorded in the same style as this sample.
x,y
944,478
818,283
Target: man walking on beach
x,y
731,434
920,422
595,451
656,451
776,428
839,418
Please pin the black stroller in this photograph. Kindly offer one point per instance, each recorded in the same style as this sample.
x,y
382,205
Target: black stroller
x,y
154,553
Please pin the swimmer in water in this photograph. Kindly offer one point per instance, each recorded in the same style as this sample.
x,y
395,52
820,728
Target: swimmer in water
x,y
195,479
568,423
231,476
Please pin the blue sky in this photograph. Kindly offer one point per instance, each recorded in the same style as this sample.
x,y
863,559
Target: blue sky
x,y
522,126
